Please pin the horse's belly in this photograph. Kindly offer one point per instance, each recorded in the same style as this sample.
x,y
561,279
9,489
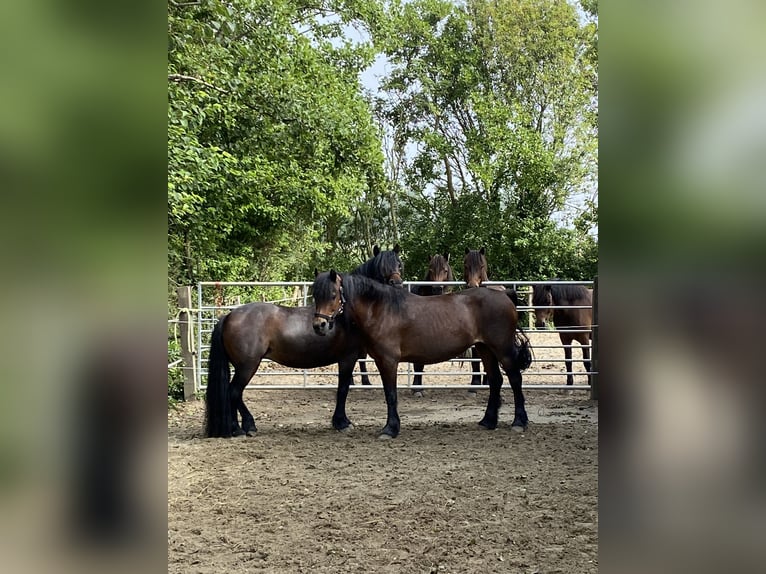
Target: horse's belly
x,y
310,351
434,351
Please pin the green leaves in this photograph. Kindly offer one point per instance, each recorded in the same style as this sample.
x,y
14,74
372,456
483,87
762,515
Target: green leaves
x,y
487,117
268,134
493,101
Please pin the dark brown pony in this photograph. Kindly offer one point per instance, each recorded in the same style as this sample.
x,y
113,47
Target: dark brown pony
x,y
474,275
384,267
438,270
399,326
257,331
566,319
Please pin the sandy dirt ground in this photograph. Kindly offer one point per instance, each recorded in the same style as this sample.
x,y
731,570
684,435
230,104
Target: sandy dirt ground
x,y
444,496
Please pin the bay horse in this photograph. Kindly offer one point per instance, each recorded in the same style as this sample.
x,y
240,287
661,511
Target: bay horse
x,y
256,331
396,326
474,275
566,319
384,267
438,270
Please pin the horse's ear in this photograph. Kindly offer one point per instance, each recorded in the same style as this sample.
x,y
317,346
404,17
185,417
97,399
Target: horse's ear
x,y
397,249
446,256
316,272
467,250
375,250
481,250
333,275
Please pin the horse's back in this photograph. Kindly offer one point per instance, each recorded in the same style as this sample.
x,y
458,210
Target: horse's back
x,y
575,319
483,305
285,335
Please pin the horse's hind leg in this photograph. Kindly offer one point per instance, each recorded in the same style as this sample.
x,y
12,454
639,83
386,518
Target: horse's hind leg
x,y
417,380
584,342
495,379
567,342
363,369
475,368
242,376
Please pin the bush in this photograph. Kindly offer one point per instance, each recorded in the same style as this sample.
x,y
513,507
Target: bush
x,y
175,374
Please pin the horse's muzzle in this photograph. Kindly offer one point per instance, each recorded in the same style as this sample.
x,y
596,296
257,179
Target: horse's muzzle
x,y
322,324
396,281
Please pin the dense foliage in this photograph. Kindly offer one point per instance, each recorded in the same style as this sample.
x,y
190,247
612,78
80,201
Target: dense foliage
x,y
483,130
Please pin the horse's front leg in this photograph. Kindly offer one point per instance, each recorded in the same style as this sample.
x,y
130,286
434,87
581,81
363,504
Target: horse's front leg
x,y
387,370
345,379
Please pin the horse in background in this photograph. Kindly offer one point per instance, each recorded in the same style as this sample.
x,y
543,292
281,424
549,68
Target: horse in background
x,y
474,275
398,326
385,267
438,270
566,319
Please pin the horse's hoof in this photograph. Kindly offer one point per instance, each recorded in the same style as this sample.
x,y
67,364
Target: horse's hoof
x,y
518,428
385,436
487,425
347,429
418,394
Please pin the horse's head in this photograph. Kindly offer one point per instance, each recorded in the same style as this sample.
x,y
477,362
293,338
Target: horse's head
x,y
439,270
387,266
542,296
328,300
474,267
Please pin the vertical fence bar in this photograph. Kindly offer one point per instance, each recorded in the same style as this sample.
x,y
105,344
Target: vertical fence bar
x,y
187,352
199,335
530,314
594,344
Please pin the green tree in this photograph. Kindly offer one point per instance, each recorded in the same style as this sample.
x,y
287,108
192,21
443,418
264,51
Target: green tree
x,y
494,105
269,138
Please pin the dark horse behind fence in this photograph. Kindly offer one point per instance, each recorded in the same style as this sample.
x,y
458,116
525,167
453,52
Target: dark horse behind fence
x,y
438,270
576,320
257,331
398,326
474,275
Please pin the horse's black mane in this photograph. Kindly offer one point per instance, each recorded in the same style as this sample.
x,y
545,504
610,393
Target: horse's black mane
x,y
361,286
559,293
380,266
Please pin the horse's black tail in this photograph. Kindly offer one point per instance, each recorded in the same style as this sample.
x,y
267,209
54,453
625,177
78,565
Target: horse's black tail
x,y
218,414
522,350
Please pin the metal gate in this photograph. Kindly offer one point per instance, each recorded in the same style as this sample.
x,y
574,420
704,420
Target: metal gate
x,y
214,299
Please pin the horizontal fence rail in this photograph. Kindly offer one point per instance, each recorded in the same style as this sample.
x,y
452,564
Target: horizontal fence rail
x,y
214,299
